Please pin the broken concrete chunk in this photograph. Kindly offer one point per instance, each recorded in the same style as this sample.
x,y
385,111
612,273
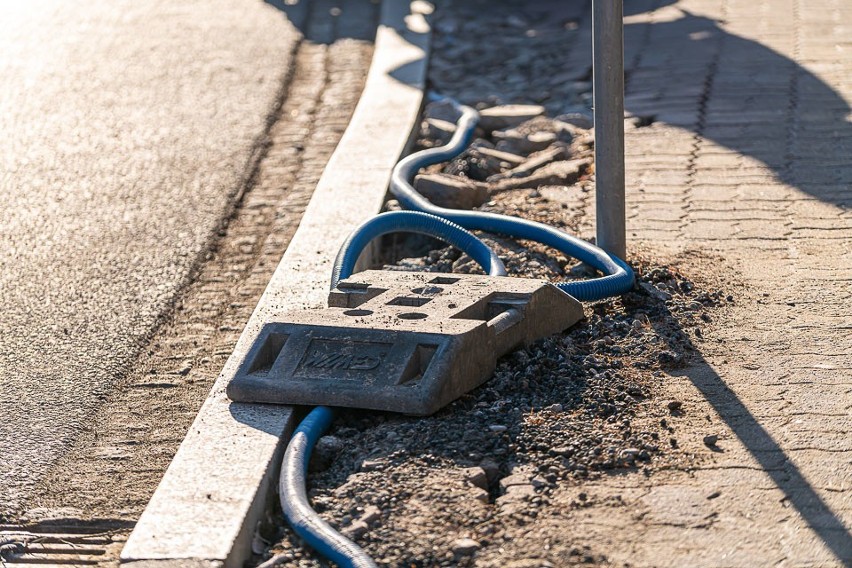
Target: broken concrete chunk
x,y
536,161
564,172
451,191
439,130
507,116
518,143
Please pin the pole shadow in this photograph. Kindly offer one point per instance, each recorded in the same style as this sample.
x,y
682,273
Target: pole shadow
x,y
783,472
688,71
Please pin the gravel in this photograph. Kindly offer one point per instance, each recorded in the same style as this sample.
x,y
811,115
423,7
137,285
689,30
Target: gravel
x,y
560,412
453,488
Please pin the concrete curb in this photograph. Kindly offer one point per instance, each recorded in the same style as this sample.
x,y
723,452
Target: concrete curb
x,y
206,508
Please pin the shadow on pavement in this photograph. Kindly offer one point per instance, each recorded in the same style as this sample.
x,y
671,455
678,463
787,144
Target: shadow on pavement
x,y
750,98
761,104
326,21
769,455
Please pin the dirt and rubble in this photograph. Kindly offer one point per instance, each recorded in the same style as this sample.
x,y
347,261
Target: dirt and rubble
x,y
453,488
700,420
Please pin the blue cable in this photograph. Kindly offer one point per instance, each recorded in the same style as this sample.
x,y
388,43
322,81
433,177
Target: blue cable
x,y
317,533
618,277
451,226
305,522
413,222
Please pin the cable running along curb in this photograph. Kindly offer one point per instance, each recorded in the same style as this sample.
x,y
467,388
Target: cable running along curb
x,y
453,227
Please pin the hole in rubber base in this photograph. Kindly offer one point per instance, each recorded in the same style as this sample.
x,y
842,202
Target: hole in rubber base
x,y
412,316
358,313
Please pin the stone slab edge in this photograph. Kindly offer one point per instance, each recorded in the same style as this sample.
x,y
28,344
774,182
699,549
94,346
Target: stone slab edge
x,y
207,506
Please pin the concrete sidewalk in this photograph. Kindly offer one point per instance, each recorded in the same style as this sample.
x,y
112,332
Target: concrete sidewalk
x,y
749,160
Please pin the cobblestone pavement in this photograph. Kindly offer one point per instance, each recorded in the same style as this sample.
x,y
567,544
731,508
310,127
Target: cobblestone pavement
x,y
748,158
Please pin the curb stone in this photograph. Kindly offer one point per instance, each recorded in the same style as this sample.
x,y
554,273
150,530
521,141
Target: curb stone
x,y
206,508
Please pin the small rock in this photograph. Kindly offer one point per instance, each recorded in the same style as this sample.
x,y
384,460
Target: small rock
x,y
477,477
710,440
497,428
582,270
674,405
564,172
655,292
507,116
555,408
517,143
464,547
491,468
668,357
629,454
442,110
577,119
325,452
438,130
538,482
393,205
356,529
371,465
451,191
371,515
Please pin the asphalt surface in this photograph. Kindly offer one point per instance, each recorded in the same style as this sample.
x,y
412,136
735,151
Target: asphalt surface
x,y
127,131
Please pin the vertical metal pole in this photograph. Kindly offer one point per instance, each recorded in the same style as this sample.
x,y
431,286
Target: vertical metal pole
x,y
608,70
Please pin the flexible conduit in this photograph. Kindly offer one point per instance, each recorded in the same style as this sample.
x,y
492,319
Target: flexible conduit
x,y
413,222
317,533
451,226
618,275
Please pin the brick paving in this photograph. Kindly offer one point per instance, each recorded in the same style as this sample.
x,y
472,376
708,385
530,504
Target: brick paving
x,y
749,160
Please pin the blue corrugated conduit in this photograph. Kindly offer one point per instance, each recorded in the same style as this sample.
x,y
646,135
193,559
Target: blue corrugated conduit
x,y
413,222
318,534
453,227
618,275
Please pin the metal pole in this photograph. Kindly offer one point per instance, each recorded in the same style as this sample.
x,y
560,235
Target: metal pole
x,y
608,61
